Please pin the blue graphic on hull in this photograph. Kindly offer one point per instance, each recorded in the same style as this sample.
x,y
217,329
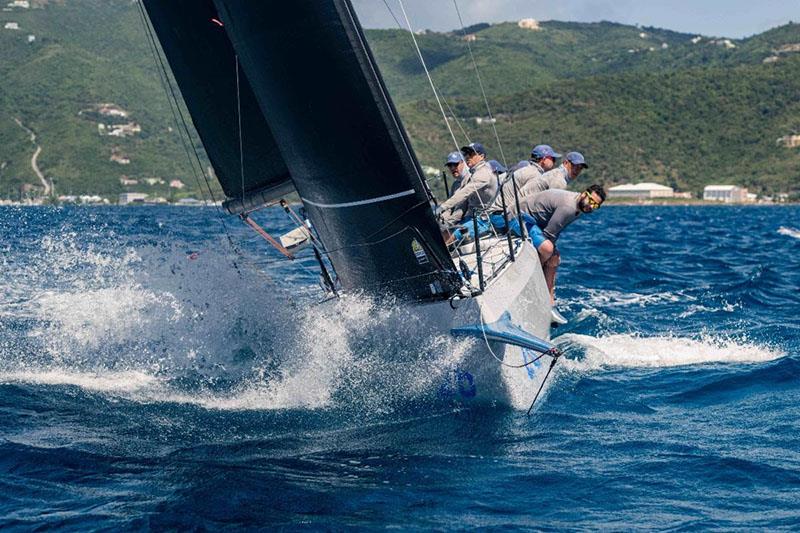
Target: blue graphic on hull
x,y
527,357
458,383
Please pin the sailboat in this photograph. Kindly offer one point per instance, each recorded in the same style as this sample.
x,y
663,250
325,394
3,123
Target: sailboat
x,y
287,97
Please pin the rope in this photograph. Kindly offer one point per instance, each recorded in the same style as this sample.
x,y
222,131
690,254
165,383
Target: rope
x,y
428,74
239,118
444,100
480,83
552,364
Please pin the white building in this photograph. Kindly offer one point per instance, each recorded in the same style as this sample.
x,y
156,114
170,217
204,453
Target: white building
x,y
131,197
11,26
789,141
529,24
641,191
725,193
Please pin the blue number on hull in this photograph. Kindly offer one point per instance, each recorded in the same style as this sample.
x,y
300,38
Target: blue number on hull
x,y
458,383
527,357
466,385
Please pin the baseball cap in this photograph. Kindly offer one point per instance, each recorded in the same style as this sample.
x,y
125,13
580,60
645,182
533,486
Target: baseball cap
x,y
576,158
454,157
540,151
497,166
474,147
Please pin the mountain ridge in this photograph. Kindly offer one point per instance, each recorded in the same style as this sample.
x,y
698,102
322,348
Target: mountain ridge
x,y
654,103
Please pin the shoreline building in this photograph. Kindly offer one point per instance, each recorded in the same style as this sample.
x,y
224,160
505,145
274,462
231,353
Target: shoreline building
x,y
126,198
729,194
641,191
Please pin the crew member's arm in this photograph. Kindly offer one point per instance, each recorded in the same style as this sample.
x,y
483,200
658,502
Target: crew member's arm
x,y
477,182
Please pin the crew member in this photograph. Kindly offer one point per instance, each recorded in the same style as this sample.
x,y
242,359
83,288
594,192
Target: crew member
x,y
542,156
542,159
458,169
477,190
545,216
559,177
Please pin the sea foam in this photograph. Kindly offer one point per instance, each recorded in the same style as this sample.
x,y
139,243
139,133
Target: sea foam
x,y
631,351
789,232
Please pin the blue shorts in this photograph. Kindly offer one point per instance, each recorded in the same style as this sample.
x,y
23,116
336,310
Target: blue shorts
x,y
534,231
498,221
483,229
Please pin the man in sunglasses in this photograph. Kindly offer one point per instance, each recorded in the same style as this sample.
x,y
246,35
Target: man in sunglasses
x,y
457,168
545,216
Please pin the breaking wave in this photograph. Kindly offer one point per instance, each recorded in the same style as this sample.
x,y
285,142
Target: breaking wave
x,y
633,351
789,232
156,324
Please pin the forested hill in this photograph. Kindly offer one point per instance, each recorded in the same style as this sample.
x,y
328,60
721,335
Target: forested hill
x,y
641,103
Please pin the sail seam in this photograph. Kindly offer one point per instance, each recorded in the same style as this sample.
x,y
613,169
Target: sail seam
x,y
362,202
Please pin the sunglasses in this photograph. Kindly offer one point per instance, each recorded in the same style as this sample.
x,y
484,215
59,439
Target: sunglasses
x,y
594,204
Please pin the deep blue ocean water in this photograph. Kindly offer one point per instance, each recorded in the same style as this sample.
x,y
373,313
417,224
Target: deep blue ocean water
x,y
159,370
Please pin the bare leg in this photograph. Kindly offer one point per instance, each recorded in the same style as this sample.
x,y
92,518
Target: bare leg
x,y
550,259
549,268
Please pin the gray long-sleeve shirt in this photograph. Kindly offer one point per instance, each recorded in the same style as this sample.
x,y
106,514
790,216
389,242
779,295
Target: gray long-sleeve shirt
x,y
557,178
477,190
553,210
522,176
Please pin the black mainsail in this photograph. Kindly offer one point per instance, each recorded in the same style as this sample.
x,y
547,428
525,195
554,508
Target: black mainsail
x,y
325,104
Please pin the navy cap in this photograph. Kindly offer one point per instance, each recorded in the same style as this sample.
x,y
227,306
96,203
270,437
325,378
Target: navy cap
x,y
540,151
454,157
497,166
474,147
576,158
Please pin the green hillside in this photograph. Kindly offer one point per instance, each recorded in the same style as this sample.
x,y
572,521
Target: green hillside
x,y
84,53
683,128
642,103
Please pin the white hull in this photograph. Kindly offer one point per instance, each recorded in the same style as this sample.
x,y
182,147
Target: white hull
x,y
519,288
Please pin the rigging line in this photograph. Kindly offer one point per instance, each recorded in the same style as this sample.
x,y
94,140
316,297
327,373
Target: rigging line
x,y
386,3
380,89
480,83
173,100
428,74
239,117
176,111
161,75
456,119
444,100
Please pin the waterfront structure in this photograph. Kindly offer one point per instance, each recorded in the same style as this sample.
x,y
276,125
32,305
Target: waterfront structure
x,y
641,191
132,197
729,194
